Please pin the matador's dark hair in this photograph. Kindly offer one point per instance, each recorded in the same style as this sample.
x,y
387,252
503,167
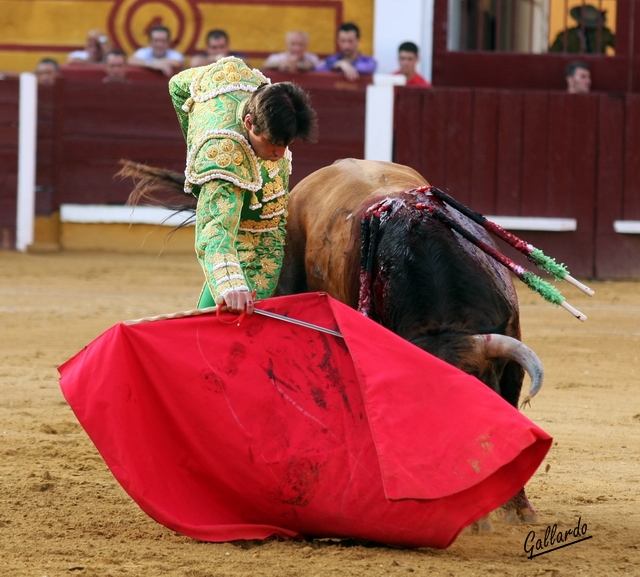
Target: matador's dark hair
x,y
283,112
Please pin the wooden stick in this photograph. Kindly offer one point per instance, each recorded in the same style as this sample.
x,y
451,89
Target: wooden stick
x,y
575,312
176,315
209,310
578,284
543,288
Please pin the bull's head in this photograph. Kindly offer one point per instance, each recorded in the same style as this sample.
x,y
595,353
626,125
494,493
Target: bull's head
x,y
485,357
425,283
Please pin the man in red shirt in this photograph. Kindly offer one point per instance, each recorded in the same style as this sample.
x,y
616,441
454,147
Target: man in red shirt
x,y
408,59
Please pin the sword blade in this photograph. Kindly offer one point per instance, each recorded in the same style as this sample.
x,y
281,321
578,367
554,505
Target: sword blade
x,y
297,322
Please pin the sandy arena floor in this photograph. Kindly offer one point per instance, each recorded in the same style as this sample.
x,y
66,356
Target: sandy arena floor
x,y
62,513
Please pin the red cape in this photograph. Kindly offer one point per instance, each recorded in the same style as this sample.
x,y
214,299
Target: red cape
x,y
225,432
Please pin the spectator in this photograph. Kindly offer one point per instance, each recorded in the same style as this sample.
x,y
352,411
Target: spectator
x,y
408,60
349,60
158,55
578,77
596,36
217,47
95,50
47,71
115,67
296,58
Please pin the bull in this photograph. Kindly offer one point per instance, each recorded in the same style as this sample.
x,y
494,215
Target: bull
x,y
427,284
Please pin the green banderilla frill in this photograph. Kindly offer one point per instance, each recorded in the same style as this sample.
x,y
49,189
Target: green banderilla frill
x,y
543,288
541,260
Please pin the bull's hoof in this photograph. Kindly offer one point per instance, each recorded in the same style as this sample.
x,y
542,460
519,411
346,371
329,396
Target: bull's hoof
x,y
517,511
513,516
480,527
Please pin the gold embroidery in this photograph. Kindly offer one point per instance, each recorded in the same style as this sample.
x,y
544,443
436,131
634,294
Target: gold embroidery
x,y
223,160
248,255
239,165
273,207
247,241
260,281
224,205
259,227
272,188
237,157
216,259
270,166
269,266
226,145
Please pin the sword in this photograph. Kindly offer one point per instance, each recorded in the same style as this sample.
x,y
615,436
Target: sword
x,y
209,310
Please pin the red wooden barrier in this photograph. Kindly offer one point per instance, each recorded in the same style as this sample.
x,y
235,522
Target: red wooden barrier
x,y
9,101
135,74
544,154
618,255
97,124
511,153
9,96
44,151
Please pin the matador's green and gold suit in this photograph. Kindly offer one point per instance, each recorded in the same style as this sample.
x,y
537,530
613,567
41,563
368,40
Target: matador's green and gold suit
x,y
242,200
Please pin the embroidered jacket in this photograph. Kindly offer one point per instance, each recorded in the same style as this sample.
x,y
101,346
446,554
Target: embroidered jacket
x,y
242,200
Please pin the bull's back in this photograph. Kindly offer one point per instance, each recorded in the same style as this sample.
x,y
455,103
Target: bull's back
x,y
324,223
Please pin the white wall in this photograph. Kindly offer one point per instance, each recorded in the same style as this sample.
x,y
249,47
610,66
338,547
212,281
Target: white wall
x,y
398,21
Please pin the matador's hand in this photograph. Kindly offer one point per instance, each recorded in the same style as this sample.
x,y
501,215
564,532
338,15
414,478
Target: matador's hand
x,y
237,301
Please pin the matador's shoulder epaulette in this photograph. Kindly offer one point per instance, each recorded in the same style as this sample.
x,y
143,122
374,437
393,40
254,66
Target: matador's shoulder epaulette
x,y
223,154
227,75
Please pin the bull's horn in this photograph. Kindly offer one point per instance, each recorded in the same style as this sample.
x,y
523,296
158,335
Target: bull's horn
x,y
509,348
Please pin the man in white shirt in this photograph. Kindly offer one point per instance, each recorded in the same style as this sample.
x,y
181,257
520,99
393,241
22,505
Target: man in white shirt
x,y
158,55
296,58
94,52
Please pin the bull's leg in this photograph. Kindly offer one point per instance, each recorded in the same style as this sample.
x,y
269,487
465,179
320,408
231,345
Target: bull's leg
x,y
518,510
480,527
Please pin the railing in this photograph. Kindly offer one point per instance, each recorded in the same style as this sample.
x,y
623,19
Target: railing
x,y
97,124
532,154
533,26
9,97
86,126
571,160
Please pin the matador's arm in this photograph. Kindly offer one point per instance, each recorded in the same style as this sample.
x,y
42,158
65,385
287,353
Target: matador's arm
x,y
217,221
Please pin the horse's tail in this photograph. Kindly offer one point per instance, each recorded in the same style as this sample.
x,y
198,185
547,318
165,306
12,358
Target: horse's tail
x,y
157,186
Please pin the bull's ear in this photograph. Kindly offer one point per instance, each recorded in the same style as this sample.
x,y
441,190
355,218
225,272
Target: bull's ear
x,y
501,328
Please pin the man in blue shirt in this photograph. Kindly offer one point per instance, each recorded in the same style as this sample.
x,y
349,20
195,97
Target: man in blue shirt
x,y
158,55
349,60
